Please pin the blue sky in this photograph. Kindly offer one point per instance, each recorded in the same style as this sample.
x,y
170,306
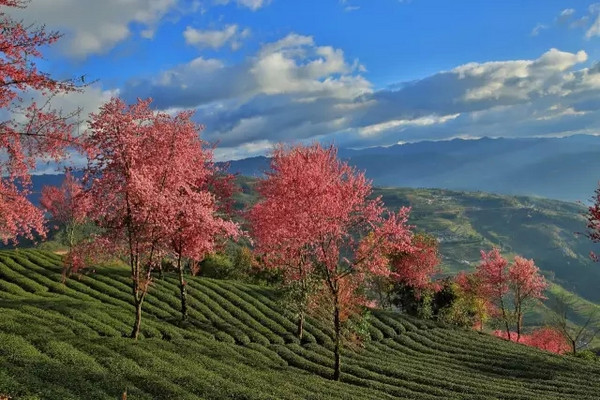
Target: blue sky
x,y
357,73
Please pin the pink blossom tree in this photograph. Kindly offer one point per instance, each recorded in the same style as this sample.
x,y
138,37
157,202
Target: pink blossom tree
x,y
500,282
526,284
313,211
64,204
593,222
196,230
147,178
492,274
33,130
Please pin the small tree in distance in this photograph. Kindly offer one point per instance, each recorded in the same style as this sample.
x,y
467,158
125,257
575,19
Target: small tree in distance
x,y
593,221
64,203
519,283
492,274
527,285
578,336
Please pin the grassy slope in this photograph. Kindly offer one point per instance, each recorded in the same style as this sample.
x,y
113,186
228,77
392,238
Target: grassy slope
x,y
467,222
65,342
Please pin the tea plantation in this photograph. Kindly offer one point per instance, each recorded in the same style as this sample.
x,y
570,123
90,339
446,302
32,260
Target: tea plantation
x,y
65,341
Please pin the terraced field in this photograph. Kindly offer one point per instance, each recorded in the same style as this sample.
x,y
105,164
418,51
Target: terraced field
x,y
65,341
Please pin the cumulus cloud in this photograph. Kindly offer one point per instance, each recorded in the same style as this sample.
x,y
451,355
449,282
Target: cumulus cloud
x,y
294,65
216,39
294,89
92,26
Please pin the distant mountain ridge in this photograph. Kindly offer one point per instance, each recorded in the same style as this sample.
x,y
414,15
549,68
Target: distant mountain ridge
x,y
559,168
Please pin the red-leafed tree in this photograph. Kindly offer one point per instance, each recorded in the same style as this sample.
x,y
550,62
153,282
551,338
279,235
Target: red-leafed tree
x,y
492,273
411,273
313,211
33,130
547,338
195,229
417,267
518,283
526,284
593,222
147,177
65,205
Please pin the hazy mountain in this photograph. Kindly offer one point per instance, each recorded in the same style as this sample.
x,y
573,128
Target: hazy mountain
x,y
560,168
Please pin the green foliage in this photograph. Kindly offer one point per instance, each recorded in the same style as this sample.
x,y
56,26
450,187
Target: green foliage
x,y
587,355
238,344
218,266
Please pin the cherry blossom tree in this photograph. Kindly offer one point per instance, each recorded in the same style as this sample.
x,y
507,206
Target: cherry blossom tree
x,y
416,267
500,282
64,204
33,130
526,284
593,222
313,212
492,273
147,177
196,229
546,338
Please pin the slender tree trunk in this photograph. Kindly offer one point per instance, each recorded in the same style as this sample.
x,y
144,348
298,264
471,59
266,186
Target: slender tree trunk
x,y
182,290
300,331
574,346
337,327
138,319
71,235
519,323
138,297
161,274
505,319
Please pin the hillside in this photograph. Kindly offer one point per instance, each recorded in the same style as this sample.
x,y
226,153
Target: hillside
x,y
467,222
64,341
560,168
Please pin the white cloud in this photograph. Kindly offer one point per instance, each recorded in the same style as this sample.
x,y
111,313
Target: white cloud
x,y
521,79
293,66
565,15
295,90
93,26
537,29
594,29
251,4
373,130
216,38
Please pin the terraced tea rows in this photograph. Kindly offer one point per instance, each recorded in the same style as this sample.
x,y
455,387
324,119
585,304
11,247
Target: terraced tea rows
x,y
65,341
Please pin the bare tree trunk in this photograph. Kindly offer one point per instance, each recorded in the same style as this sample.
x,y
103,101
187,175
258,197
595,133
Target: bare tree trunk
x,y
574,346
505,319
519,323
138,319
183,293
300,331
161,274
138,294
337,327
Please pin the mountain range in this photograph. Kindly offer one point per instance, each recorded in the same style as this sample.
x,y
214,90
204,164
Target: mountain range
x,y
559,168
